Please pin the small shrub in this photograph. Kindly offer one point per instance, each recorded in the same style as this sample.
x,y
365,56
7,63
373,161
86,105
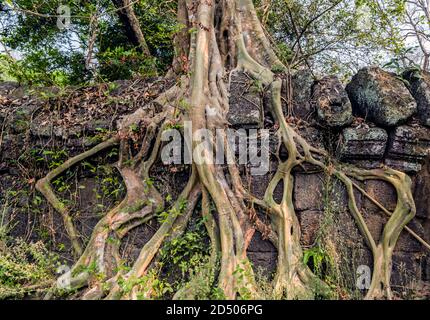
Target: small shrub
x,y
24,267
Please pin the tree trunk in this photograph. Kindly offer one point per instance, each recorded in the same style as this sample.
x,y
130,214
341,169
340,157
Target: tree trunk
x,y
131,24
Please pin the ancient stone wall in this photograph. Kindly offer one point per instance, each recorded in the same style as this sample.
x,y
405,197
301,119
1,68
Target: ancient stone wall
x,y
377,119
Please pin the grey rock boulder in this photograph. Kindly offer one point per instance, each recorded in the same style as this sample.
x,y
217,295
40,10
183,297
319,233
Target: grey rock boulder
x,y
301,84
420,88
331,101
380,97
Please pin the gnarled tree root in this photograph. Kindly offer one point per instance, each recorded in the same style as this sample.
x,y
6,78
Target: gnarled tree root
x,y
228,35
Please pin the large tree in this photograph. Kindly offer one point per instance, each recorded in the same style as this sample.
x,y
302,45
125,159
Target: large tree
x,y
103,40
219,37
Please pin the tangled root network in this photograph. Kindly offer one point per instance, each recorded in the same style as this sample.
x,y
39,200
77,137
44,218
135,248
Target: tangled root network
x,y
228,37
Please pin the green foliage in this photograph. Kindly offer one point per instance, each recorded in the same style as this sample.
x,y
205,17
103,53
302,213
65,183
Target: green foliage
x,y
92,269
149,286
202,281
24,267
185,261
317,259
120,63
334,36
53,158
257,85
330,36
109,187
184,105
185,252
397,65
30,70
159,25
101,135
44,55
265,284
242,273
174,212
172,126
137,206
39,53
110,183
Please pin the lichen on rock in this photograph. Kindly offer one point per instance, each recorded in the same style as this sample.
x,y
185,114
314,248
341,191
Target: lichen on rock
x,y
332,104
419,84
380,97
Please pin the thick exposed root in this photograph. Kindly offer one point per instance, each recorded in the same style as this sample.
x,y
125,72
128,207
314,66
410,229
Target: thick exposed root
x,y
246,48
44,187
150,249
402,214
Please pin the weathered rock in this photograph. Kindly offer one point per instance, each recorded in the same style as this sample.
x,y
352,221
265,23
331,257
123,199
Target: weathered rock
x,y
310,221
310,188
20,119
258,185
301,83
406,270
338,195
331,102
3,168
48,130
3,116
375,223
383,192
403,165
409,143
258,244
264,262
362,257
312,135
420,88
308,191
86,130
11,147
366,164
245,102
408,243
381,97
274,143
426,268
362,143
316,139
422,191
262,254
137,238
408,148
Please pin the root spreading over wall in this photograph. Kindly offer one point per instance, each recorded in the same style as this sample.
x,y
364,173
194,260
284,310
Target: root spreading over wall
x,y
223,36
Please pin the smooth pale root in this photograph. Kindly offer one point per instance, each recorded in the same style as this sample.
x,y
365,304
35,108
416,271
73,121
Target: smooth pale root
x,y
236,41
